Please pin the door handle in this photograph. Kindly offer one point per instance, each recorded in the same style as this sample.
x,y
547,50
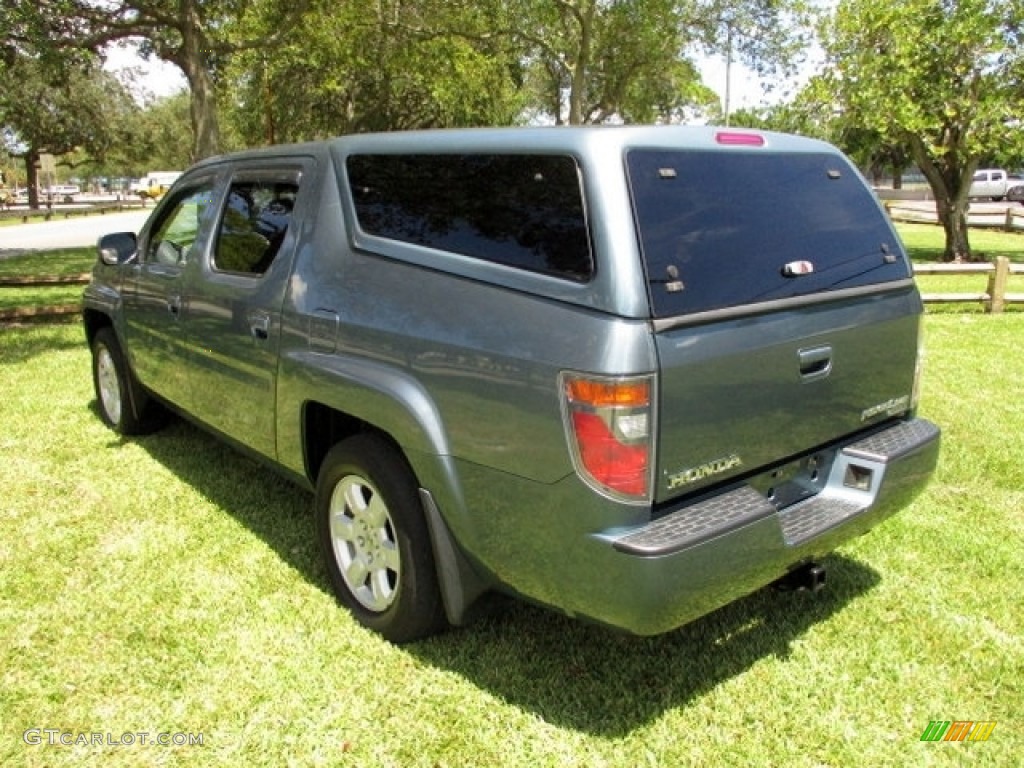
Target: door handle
x,y
815,362
259,325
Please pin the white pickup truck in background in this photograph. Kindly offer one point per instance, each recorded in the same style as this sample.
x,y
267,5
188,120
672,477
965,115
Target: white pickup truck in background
x,y
993,183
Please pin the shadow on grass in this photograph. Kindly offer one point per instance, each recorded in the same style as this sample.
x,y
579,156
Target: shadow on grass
x,y
592,679
22,341
568,672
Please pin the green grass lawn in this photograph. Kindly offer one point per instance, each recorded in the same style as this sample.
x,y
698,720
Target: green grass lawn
x,y
924,243
39,296
62,262
167,585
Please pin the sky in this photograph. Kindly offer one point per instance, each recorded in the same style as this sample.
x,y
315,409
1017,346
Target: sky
x,y
156,76
747,89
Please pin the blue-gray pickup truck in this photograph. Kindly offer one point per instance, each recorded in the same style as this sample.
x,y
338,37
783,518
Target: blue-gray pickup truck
x,y
631,373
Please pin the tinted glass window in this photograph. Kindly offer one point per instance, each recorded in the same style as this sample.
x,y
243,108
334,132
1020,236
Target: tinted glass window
x,y
523,211
175,234
254,224
721,229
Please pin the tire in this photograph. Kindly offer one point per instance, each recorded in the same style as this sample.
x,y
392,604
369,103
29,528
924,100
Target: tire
x,y
123,405
375,541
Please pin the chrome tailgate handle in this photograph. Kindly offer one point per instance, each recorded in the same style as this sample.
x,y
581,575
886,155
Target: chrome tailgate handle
x,y
815,362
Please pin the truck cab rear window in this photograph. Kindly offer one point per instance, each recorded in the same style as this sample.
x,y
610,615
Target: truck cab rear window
x,y
523,211
723,229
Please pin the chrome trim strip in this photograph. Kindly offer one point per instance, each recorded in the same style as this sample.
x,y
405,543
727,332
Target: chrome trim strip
x,y
779,305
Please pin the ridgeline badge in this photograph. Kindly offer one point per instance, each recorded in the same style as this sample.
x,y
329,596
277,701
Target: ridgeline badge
x,y
888,408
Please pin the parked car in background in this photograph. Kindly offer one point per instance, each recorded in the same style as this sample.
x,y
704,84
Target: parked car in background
x,y
156,184
1015,193
992,183
64,192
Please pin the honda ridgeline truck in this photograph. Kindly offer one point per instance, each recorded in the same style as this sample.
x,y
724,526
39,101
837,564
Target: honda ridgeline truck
x,y
630,373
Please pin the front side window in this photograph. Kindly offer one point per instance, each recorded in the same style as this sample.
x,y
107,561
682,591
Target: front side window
x,y
523,211
256,216
176,233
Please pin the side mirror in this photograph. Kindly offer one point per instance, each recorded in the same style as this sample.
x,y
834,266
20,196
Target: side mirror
x,y
118,248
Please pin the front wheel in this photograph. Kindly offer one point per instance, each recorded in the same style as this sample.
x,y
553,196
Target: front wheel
x,y
124,406
375,541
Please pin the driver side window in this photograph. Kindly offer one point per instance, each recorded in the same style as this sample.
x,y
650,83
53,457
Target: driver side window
x,y
175,235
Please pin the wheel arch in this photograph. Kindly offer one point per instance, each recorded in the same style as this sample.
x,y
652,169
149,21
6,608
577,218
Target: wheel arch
x,y
404,416
93,320
344,396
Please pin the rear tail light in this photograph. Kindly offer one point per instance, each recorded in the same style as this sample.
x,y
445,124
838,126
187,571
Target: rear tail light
x,y
609,422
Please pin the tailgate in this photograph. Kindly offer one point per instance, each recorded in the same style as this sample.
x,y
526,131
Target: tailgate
x,y
783,304
743,394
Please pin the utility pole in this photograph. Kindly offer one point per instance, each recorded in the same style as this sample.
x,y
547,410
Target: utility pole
x,y
728,67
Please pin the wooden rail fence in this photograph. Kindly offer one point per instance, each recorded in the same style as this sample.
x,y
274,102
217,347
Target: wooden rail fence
x,y
995,297
47,213
50,312
1009,219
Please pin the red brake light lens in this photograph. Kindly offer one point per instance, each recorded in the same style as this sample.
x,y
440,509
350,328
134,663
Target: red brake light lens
x,y
609,422
739,139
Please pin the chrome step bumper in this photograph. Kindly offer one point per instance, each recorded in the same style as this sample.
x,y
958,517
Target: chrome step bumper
x,y
864,482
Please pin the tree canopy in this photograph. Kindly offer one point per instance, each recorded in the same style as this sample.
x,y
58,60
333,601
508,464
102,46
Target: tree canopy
x,y
57,111
942,78
393,65
198,36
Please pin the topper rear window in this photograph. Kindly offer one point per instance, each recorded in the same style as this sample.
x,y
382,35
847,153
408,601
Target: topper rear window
x,y
523,211
724,229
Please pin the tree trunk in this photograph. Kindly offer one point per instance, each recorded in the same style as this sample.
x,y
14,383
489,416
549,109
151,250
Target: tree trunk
x,y
950,183
203,110
897,177
268,108
32,178
953,218
203,102
580,69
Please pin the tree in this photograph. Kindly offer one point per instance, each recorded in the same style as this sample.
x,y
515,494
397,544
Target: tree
x,y
813,112
424,63
198,36
158,138
58,111
941,77
632,60
394,65
768,36
591,61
